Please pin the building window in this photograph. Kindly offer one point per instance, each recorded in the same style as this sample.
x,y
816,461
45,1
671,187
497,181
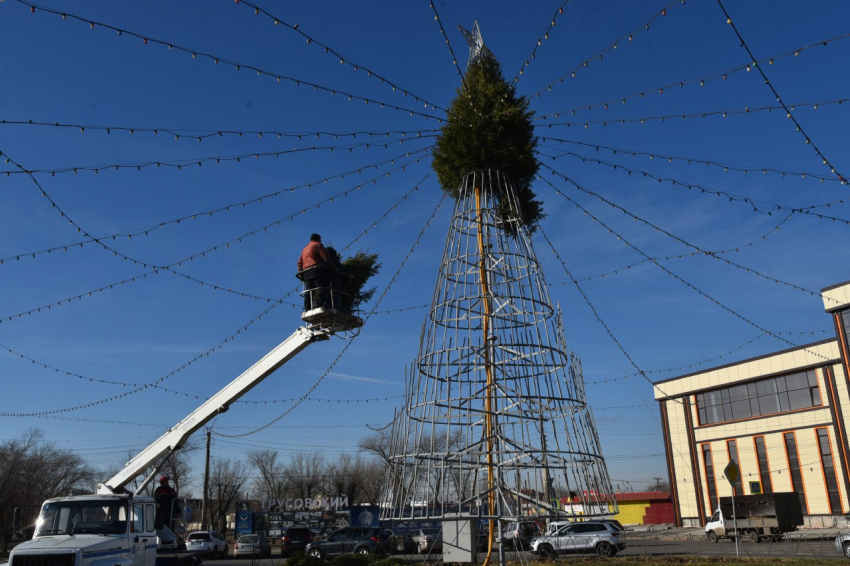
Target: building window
x,y
709,476
764,397
732,450
794,468
764,465
829,476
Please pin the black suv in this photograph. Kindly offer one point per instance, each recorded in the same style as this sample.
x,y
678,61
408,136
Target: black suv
x,y
294,540
358,540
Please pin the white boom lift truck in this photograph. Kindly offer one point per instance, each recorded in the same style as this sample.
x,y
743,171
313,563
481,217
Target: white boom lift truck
x,y
115,528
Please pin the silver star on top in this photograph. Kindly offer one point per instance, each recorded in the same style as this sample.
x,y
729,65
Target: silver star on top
x,y
475,41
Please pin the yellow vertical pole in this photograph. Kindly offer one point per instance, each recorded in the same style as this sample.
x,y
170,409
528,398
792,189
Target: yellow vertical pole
x,y
488,398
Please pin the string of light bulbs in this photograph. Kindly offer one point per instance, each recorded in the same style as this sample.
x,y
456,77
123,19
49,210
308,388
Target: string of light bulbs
x,y
698,249
164,426
788,110
146,230
540,39
152,384
710,114
182,134
336,360
682,367
720,75
592,308
179,164
448,43
156,269
343,60
342,401
197,53
678,278
599,56
691,161
282,300
681,256
774,207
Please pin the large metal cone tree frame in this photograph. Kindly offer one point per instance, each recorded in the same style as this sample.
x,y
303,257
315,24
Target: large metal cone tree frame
x,y
495,422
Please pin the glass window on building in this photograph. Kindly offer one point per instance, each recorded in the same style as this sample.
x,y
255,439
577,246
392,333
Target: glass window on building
x,y
794,468
732,449
764,465
829,475
764,397
708,463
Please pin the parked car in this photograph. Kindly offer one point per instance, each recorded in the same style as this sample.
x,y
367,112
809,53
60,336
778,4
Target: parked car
x,y
209,542
842,544
400,543
358,540
590,536
518,535
555,526
295,540
252,545
427,540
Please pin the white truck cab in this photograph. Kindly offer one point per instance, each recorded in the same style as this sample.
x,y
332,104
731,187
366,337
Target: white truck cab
x,y
92,530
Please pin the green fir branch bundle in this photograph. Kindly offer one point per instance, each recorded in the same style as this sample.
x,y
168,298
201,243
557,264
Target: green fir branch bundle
x,y
489,127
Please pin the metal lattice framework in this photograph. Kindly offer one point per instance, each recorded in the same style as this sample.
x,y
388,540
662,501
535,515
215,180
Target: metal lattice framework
x,y
495,422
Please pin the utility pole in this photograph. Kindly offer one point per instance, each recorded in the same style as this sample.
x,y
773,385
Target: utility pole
x,y
657,483
205,504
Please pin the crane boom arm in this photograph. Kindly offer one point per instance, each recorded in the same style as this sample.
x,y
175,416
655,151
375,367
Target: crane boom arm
x,y
218,403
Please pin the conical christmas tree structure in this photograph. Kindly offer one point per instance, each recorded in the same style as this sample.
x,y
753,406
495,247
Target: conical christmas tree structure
x,y
495,422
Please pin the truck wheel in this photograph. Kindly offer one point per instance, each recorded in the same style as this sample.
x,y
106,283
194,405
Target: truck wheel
x,y
846,550
712,536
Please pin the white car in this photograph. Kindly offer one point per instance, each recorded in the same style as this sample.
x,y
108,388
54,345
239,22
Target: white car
x,y
208,542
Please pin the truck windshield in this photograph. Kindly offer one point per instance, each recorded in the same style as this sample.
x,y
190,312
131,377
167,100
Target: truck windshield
x,y
77,517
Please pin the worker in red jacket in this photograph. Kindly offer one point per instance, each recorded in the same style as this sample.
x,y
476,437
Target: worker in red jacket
x,y
313,270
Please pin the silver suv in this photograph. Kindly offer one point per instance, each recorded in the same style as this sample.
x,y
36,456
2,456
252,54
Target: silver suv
x,y
600,537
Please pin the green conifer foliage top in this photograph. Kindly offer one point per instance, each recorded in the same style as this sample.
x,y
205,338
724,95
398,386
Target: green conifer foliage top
x,y
489,127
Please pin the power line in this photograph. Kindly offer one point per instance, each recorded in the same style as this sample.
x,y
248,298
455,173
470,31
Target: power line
x,y
195,53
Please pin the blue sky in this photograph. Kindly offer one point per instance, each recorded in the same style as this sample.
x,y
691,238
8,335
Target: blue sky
x,y
65,71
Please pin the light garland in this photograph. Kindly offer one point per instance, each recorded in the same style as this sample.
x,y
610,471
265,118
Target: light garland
x,y
350,342
720,75
195,53
691,161
730,196
343,60
678,278
144,231
613,46
540,39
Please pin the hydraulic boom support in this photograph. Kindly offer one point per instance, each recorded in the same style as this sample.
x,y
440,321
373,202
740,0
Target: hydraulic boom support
x,y
219,403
